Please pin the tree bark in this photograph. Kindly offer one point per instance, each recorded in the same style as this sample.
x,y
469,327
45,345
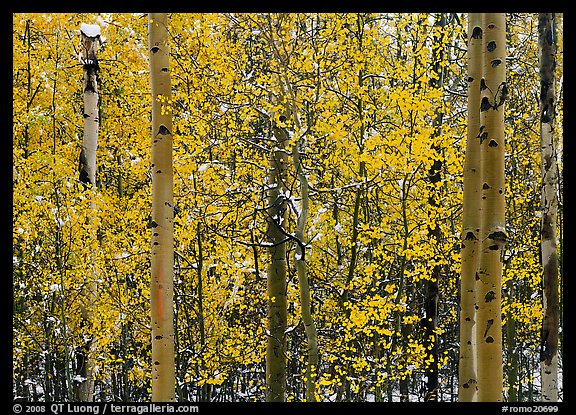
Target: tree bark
x,y
84,385
282,136
87,160
301,269
276,281
550,326
512,358
471,215
300,252
162,261
493,93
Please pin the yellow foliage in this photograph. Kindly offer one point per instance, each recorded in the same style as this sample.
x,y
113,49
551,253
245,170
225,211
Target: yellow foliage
x,y
361,87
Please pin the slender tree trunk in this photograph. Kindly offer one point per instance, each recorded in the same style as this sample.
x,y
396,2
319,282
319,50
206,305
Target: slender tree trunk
x,y
162,262
403,287
200,293
84,385
512,371
492,144
354,254
434,231
471,224
67,386
549,339
301,212
304,284
276,281
300,253
404,382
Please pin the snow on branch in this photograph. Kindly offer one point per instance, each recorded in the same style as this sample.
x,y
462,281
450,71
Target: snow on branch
x,y
90,30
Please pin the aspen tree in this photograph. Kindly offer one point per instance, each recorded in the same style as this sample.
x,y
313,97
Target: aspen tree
x,y
471,225
277,317
493,93
276,279
549,339
304,285
300,261
87,159
367,118
301,213
84,390
162,261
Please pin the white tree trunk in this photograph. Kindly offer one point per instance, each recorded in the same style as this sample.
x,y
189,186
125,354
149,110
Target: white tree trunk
x,y
471,221
87,164
492,144
549,340
162,261
87,172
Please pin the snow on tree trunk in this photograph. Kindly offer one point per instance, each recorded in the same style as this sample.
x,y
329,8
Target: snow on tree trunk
x,y
85,367
87,162
493,93
162,262
549,340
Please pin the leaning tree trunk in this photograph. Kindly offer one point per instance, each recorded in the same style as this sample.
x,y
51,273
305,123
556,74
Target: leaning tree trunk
x,y
303,282
549,339
492,143
162,262
277,206
300,259
84,383
301,212
471,225
276,281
